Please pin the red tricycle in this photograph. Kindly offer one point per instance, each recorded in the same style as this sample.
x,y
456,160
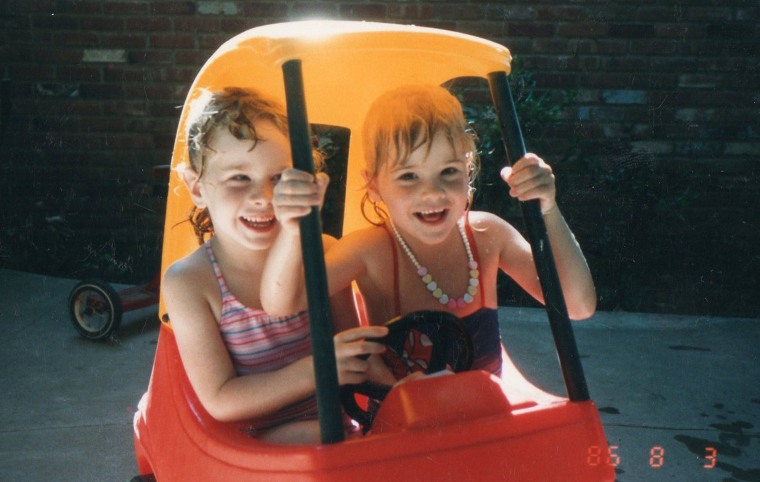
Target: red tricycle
x,y
465,426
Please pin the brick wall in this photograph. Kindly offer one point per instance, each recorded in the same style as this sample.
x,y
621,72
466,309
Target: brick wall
x,y
657,152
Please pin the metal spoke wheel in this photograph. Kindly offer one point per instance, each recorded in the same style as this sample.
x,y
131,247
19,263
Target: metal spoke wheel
x,y
95,309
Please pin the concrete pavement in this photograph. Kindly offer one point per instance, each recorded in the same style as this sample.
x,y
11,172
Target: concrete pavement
x,y
679,395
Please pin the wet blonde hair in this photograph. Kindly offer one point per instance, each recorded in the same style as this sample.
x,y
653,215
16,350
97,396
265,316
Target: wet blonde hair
x,y
405,119
237,109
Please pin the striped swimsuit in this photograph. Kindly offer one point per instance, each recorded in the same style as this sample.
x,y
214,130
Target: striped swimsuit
x,y
260,343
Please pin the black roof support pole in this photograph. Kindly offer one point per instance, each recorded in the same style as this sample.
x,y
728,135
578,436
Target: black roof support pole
x,y
564,339
323,347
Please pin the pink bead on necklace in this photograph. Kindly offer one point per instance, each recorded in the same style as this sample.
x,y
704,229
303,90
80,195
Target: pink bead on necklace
x,y
427,278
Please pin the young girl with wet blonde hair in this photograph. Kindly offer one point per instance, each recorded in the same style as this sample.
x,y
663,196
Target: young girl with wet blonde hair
x,y
427,250
244,363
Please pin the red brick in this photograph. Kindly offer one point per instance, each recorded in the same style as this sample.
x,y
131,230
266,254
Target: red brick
x,y
100,124
673,64
108,24
516,46
171,41
125,8
659,14
126,108
314,9
654,46
556,81
165,142
101,91
196,24
442,24
152,126
82,107
155,91
709,13
31,72
678,30
272,9
27,6
165,109
362,11
723,64
78,73
234,26
192,57
606,80
562,14
14,23
53,56
581,30
75,39
148,24
530,29
125,74
631,30
553,45
171,7
123,41
491,30
511,12
209,43
55,22
606,46
174,74
730,30
463,12
130,141
150,57
80,7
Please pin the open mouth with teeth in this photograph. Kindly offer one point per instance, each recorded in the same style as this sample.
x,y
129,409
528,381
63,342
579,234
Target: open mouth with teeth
x,y
432,216
258,223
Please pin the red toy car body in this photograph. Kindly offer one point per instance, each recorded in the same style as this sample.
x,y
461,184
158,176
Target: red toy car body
x,y
467,426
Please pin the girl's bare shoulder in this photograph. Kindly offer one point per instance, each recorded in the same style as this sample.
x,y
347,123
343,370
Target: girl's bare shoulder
x,y
193,272
191,291
369,237
366,246
487,224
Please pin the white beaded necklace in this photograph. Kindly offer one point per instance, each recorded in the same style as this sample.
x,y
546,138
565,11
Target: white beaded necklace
x,y
427,278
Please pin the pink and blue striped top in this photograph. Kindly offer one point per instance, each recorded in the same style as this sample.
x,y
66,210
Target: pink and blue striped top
x,y
260,343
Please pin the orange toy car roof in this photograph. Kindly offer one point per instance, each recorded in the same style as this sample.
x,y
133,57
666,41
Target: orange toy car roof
x,y
345,65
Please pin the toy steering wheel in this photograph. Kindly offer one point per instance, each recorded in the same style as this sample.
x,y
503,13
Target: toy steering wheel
x,y
421,341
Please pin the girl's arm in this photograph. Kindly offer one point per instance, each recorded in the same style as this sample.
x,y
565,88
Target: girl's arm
x,y
282,280
574,274
282,283
531,178
224,394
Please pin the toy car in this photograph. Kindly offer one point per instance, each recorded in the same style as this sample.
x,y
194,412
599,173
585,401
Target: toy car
x,y
466,426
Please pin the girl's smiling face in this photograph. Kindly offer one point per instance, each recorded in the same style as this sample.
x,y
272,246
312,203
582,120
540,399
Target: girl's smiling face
x,y
238,182
428,193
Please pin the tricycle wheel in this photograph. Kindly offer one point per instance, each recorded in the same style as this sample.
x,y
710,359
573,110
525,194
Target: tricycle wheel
x,y
94,309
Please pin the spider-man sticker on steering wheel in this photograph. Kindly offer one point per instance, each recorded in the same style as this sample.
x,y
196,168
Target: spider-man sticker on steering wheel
x,y
414,357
